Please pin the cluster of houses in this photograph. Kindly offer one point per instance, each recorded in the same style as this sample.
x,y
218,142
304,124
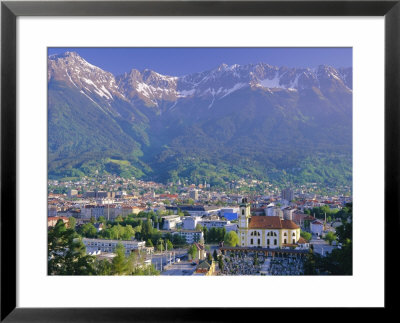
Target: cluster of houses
x,y
272,221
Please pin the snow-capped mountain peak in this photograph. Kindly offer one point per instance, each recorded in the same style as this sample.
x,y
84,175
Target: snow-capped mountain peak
x,y
152,88
91,80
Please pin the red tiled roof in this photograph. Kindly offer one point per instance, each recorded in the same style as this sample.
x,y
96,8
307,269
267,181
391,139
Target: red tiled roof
x,y
199,246
302,240
270,222
56,218
317,222
265,222
288,224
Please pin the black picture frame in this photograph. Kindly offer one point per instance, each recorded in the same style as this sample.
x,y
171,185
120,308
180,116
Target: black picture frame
x,y
10,10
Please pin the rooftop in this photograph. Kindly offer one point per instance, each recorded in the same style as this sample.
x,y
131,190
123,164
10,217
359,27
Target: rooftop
x,y
270,222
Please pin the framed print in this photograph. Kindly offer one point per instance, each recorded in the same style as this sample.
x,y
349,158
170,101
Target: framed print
x,y
196,154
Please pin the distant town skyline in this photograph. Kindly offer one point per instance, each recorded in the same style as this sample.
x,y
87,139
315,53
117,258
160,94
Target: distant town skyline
x,y
178,61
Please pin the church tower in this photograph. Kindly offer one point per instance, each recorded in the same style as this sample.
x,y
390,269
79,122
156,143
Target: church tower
x,y
244,214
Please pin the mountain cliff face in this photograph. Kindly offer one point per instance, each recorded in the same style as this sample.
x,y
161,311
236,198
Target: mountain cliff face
x,y
229,121
153,88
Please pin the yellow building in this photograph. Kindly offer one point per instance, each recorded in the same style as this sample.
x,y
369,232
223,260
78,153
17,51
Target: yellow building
x,y
204,268
265,231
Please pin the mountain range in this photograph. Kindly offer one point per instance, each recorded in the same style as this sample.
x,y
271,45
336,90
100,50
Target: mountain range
x,y
258,120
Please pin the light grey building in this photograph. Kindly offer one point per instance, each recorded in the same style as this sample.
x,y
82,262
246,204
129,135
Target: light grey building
x,y
105,245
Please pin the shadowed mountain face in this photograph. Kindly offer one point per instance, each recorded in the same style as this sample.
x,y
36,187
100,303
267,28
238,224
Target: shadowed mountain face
x,y
229,122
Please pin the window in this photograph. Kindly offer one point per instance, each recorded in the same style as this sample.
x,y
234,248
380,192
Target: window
x,y
285,234
251,241
268,242
293,234
275,242
284,241
258,241
242,212
294,241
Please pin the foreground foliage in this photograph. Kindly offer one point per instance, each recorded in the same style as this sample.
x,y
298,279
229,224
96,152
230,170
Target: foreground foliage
x,y
67,256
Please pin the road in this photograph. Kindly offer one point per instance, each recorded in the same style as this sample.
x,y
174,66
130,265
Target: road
x,y
161,259
321,246
183,268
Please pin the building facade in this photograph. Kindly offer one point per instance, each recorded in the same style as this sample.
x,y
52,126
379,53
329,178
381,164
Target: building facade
x,y
265,231
105,245
317,227
190,236
288,194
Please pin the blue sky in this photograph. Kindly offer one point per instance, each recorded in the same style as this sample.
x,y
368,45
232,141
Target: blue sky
x,y
181,61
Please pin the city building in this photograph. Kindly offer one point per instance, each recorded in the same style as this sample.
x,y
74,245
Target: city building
x,y
105,245
190,235
287,194
196,210
169,222
204,268
288,213
201,252
52,221
317,227
190,222
265,231
194,195
229,213
72,193
273,210
99,194
231,227
52,211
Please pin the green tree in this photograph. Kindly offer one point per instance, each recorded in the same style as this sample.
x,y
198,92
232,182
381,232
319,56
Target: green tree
x,y
72,223
345,232
160,245
205,234
231,239
215,255
222,233
330,237
149,243
310,266
170,246
88,230
104,268
147,230
67,253
192,251
220,263
128,232
338,262
119,262
209,257
306,235
255,260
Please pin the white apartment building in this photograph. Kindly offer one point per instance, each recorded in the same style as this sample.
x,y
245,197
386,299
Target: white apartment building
x,y
170,222
106,245
191,236
190,222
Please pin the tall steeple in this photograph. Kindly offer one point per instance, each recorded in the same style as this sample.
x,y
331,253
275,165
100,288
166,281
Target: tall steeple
x,y
244,214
